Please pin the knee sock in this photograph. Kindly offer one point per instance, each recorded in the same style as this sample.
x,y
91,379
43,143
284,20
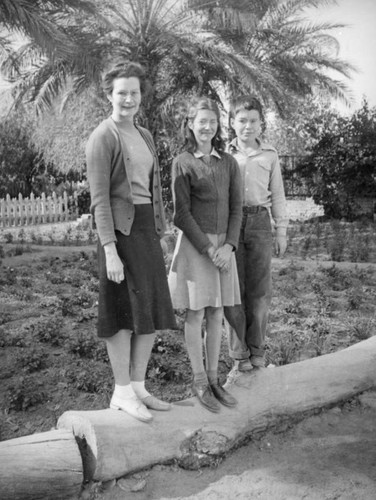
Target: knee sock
x,y
200,378
212,376
139,389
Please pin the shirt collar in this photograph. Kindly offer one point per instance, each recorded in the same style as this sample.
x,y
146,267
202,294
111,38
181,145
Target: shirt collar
x,y
199,154
233,146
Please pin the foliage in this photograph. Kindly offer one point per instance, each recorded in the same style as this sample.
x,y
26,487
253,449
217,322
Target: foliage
x,y
25,393
169,360
48,330
19,159
215,48
341,167
32,360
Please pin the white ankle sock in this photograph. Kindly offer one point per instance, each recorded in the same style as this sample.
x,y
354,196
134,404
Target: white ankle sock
x,y
124,391
139,389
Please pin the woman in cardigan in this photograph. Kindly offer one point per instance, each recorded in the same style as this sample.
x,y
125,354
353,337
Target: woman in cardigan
x,y
127,205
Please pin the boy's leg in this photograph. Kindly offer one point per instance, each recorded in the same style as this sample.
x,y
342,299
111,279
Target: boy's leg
x,y
235,315
258,285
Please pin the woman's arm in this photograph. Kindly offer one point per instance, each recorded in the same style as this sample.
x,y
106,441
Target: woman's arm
x,y
99,157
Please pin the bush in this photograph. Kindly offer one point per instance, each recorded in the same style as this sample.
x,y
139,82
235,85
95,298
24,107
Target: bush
x,y
341,167
26,392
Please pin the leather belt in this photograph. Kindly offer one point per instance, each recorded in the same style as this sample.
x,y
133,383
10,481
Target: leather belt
x,y
253,209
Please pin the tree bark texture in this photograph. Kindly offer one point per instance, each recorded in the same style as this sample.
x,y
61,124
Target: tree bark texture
x,y
117,444
46,465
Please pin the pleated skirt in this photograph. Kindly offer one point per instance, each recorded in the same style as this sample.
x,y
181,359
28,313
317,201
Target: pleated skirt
x,y
195,282
141,302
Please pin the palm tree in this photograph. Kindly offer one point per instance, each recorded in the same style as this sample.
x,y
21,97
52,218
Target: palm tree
x,y
41,22
261,46
200,46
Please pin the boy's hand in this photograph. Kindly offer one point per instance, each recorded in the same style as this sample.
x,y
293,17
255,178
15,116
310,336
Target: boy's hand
x,y
280,244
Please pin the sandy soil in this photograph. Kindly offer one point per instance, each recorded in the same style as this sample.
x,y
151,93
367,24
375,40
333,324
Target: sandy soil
x,y
328,456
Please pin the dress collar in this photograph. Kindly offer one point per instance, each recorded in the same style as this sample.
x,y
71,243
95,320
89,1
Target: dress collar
x,y
199,154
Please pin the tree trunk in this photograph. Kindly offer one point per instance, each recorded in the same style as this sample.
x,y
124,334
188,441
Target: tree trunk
x,y
46,465
118,444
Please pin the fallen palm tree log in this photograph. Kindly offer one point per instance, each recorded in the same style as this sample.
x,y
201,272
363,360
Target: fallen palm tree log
x,y
115,444
46,465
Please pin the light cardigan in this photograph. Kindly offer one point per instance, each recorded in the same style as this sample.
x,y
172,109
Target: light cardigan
x,y
109,171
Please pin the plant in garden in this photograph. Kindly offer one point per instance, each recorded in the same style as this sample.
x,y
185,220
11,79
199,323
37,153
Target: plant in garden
x,y
362,328
86,345
169,359
285,347
25,393
48,330
324,304
320,333
32,360
90,376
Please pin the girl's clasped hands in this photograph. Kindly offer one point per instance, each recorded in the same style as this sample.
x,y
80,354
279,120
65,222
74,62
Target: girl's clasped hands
x,y
221,257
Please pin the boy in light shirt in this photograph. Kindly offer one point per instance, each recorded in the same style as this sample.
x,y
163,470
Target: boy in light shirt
x,y
263,196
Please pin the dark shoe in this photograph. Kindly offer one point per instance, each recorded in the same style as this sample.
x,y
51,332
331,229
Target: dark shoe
x,y
223,396
258,361
206,397
244,365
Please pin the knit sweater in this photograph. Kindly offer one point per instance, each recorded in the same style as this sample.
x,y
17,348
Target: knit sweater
x,y
109,172
207,198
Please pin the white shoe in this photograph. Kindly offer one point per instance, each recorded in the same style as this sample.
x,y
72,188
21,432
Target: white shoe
x,y
132,406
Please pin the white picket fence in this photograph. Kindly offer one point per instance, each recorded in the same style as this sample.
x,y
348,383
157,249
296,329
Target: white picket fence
x,y
15,212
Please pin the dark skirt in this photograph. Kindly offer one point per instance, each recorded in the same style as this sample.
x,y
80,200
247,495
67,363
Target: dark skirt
x,y
141,302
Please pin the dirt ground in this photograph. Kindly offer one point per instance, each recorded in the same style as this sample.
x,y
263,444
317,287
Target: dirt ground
x,y
328,456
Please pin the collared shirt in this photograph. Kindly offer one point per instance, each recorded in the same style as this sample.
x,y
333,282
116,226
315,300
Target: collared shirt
x,y
262,180
207,197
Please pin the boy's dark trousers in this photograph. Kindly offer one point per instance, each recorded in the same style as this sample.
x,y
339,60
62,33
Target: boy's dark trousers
x,y
254,255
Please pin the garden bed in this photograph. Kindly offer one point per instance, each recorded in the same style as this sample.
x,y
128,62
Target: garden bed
x,y
52,362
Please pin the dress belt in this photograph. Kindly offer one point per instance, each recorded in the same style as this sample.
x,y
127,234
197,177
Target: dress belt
x,y
253,209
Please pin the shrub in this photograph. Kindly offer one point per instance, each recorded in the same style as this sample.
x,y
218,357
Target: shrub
x,y
32,360
48,330
25,393
342,166
169,359
90,376
86,345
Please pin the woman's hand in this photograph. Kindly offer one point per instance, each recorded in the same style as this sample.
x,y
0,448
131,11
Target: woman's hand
x,y
114,265
222,257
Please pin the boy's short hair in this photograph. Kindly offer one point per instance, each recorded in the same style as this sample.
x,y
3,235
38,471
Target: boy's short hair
x,y
247,102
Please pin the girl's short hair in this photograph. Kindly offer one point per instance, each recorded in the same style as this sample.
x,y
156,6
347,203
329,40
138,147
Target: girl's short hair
x,y
248,103
197,104
124,69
